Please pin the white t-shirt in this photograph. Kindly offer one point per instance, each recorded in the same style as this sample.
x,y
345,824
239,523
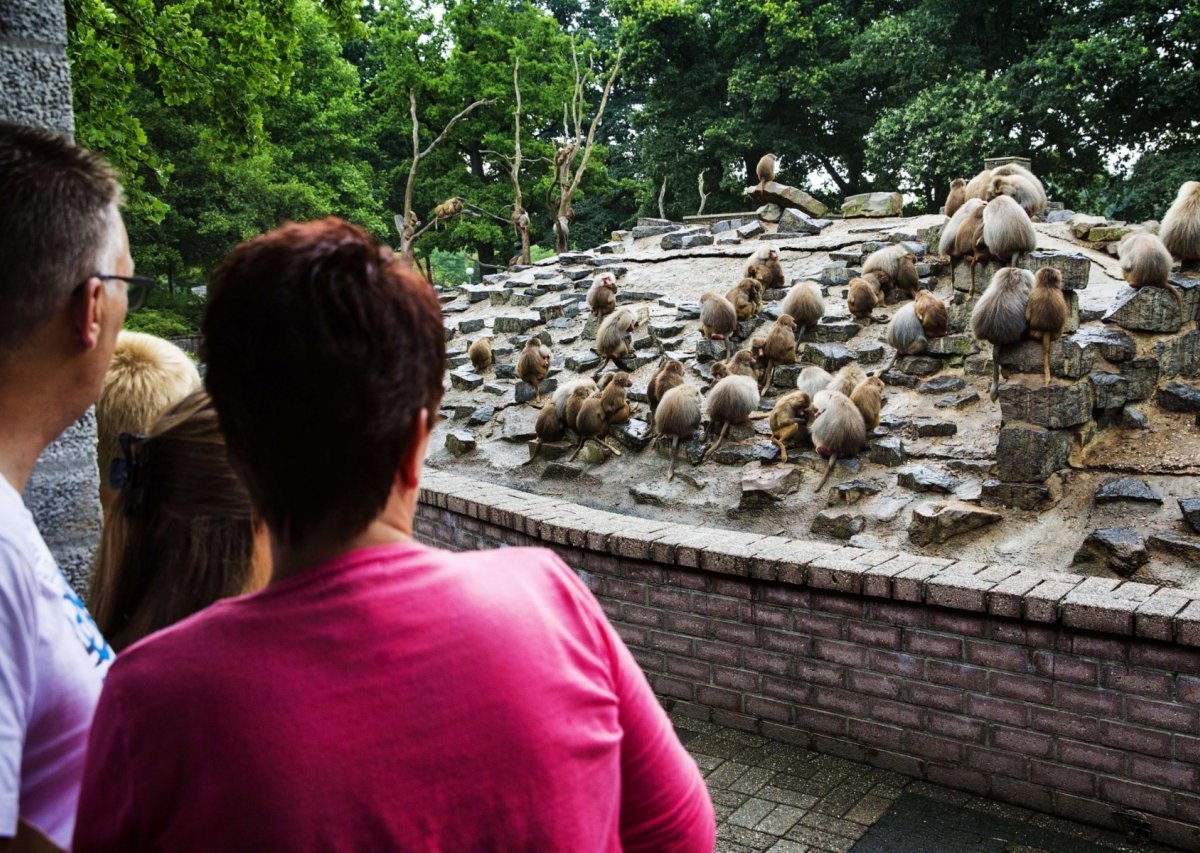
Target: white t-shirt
x,y
52,664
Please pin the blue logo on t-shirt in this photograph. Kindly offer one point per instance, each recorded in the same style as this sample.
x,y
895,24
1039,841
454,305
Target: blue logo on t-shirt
x,y
87,630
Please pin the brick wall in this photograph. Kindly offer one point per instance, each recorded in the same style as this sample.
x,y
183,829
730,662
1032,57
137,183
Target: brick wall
x,y
1074,696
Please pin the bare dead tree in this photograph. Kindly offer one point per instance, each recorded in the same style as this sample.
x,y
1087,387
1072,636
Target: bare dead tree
x,y
408,223
564,158
662,194
520,217
703,194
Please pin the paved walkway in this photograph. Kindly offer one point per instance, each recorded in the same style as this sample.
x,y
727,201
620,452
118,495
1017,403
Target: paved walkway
x,y
776,798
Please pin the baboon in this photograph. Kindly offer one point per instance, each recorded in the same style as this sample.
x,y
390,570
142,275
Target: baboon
x,y
806,305
958,194
765,170
1046,313
764,265
779,347
861,299
743,298
868,396
978,185
730,401
668,375
480,354
950,230
532,366
898,266
602,295
718,318
613,400
913,324
549,427
677,417
838,430
789,421
846,379
1028,187
999,315
147,375
592,424
573,405
614,340
1180,229
719,371
563,395
758,360
449,207
1007,231
968,240
1145,262
741,363
813,379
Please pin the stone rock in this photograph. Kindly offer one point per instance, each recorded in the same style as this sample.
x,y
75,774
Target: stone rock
x,y
687,311
1109,390
873,205
552,312
465,380
837,331
923,478
1055,405
785,376
593,453
887,451
1190,508
1110,233
931,428
666,329
649,221
838,524
768,484
918,365
958,401
686,240
744,454
942,385
852,491
952,345
1142,373
770,213
750,230
937,522
781,195
831,356
1145,309
835,275
1178,356
565,470
871,352
551,450
1118,548
612,249
634,433
519,423
504,371
1126,489
745,328
1028,496
796,221
515,323
726,225
469,326
1074,267
640,231
707,350
525,394
481,416
894,377
577,275
1133,419
1179,544
1029,453
728,239
850,257
1081,224
460,441
1178,397
650,494
479,292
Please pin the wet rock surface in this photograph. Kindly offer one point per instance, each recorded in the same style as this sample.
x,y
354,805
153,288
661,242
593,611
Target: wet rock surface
x,y
1117,548
838,523
1126,489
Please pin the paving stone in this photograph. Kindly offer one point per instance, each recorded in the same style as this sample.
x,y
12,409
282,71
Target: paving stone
x,y
1126,489
780,820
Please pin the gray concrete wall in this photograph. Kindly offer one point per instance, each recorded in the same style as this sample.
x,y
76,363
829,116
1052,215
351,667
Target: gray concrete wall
x,y
35,89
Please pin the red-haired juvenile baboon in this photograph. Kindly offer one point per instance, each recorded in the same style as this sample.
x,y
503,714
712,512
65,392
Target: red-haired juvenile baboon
x,y
480,354
602,295
741,363
958,194
677,417
861,299
1046,313
868,396
743,297
549,427
592,424
449,207
779,347
765,170
1180,229
999,315
613,400
532,366
789,421
668,375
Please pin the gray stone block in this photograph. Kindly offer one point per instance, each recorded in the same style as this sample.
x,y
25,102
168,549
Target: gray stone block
x,y
41,76
1055,406
1030,453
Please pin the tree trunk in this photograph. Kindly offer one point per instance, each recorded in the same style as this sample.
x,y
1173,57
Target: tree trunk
x,y
487,255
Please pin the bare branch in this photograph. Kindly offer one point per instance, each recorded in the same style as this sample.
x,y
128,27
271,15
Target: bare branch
x,y
587,148
450,126
703,194
662,193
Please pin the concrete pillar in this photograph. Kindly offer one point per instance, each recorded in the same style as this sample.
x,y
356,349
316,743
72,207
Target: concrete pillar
x,y
35,89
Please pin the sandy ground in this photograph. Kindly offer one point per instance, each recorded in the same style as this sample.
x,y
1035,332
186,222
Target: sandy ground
x,y
1167,455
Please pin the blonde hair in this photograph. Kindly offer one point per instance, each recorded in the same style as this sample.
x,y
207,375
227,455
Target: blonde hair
x,y
180,536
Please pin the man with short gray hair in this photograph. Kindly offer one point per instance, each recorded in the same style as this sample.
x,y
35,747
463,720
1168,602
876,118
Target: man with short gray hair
x,y
65,279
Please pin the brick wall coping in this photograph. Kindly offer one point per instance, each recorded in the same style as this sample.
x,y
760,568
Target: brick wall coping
x,y
1105,605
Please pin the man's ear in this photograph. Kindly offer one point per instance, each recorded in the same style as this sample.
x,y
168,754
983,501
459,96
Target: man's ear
x,y
87,311
408,472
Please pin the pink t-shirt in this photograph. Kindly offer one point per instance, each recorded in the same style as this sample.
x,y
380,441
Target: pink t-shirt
x,y
399,697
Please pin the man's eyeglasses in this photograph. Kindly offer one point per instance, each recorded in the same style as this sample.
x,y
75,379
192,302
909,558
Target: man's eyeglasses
x,y
137,287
